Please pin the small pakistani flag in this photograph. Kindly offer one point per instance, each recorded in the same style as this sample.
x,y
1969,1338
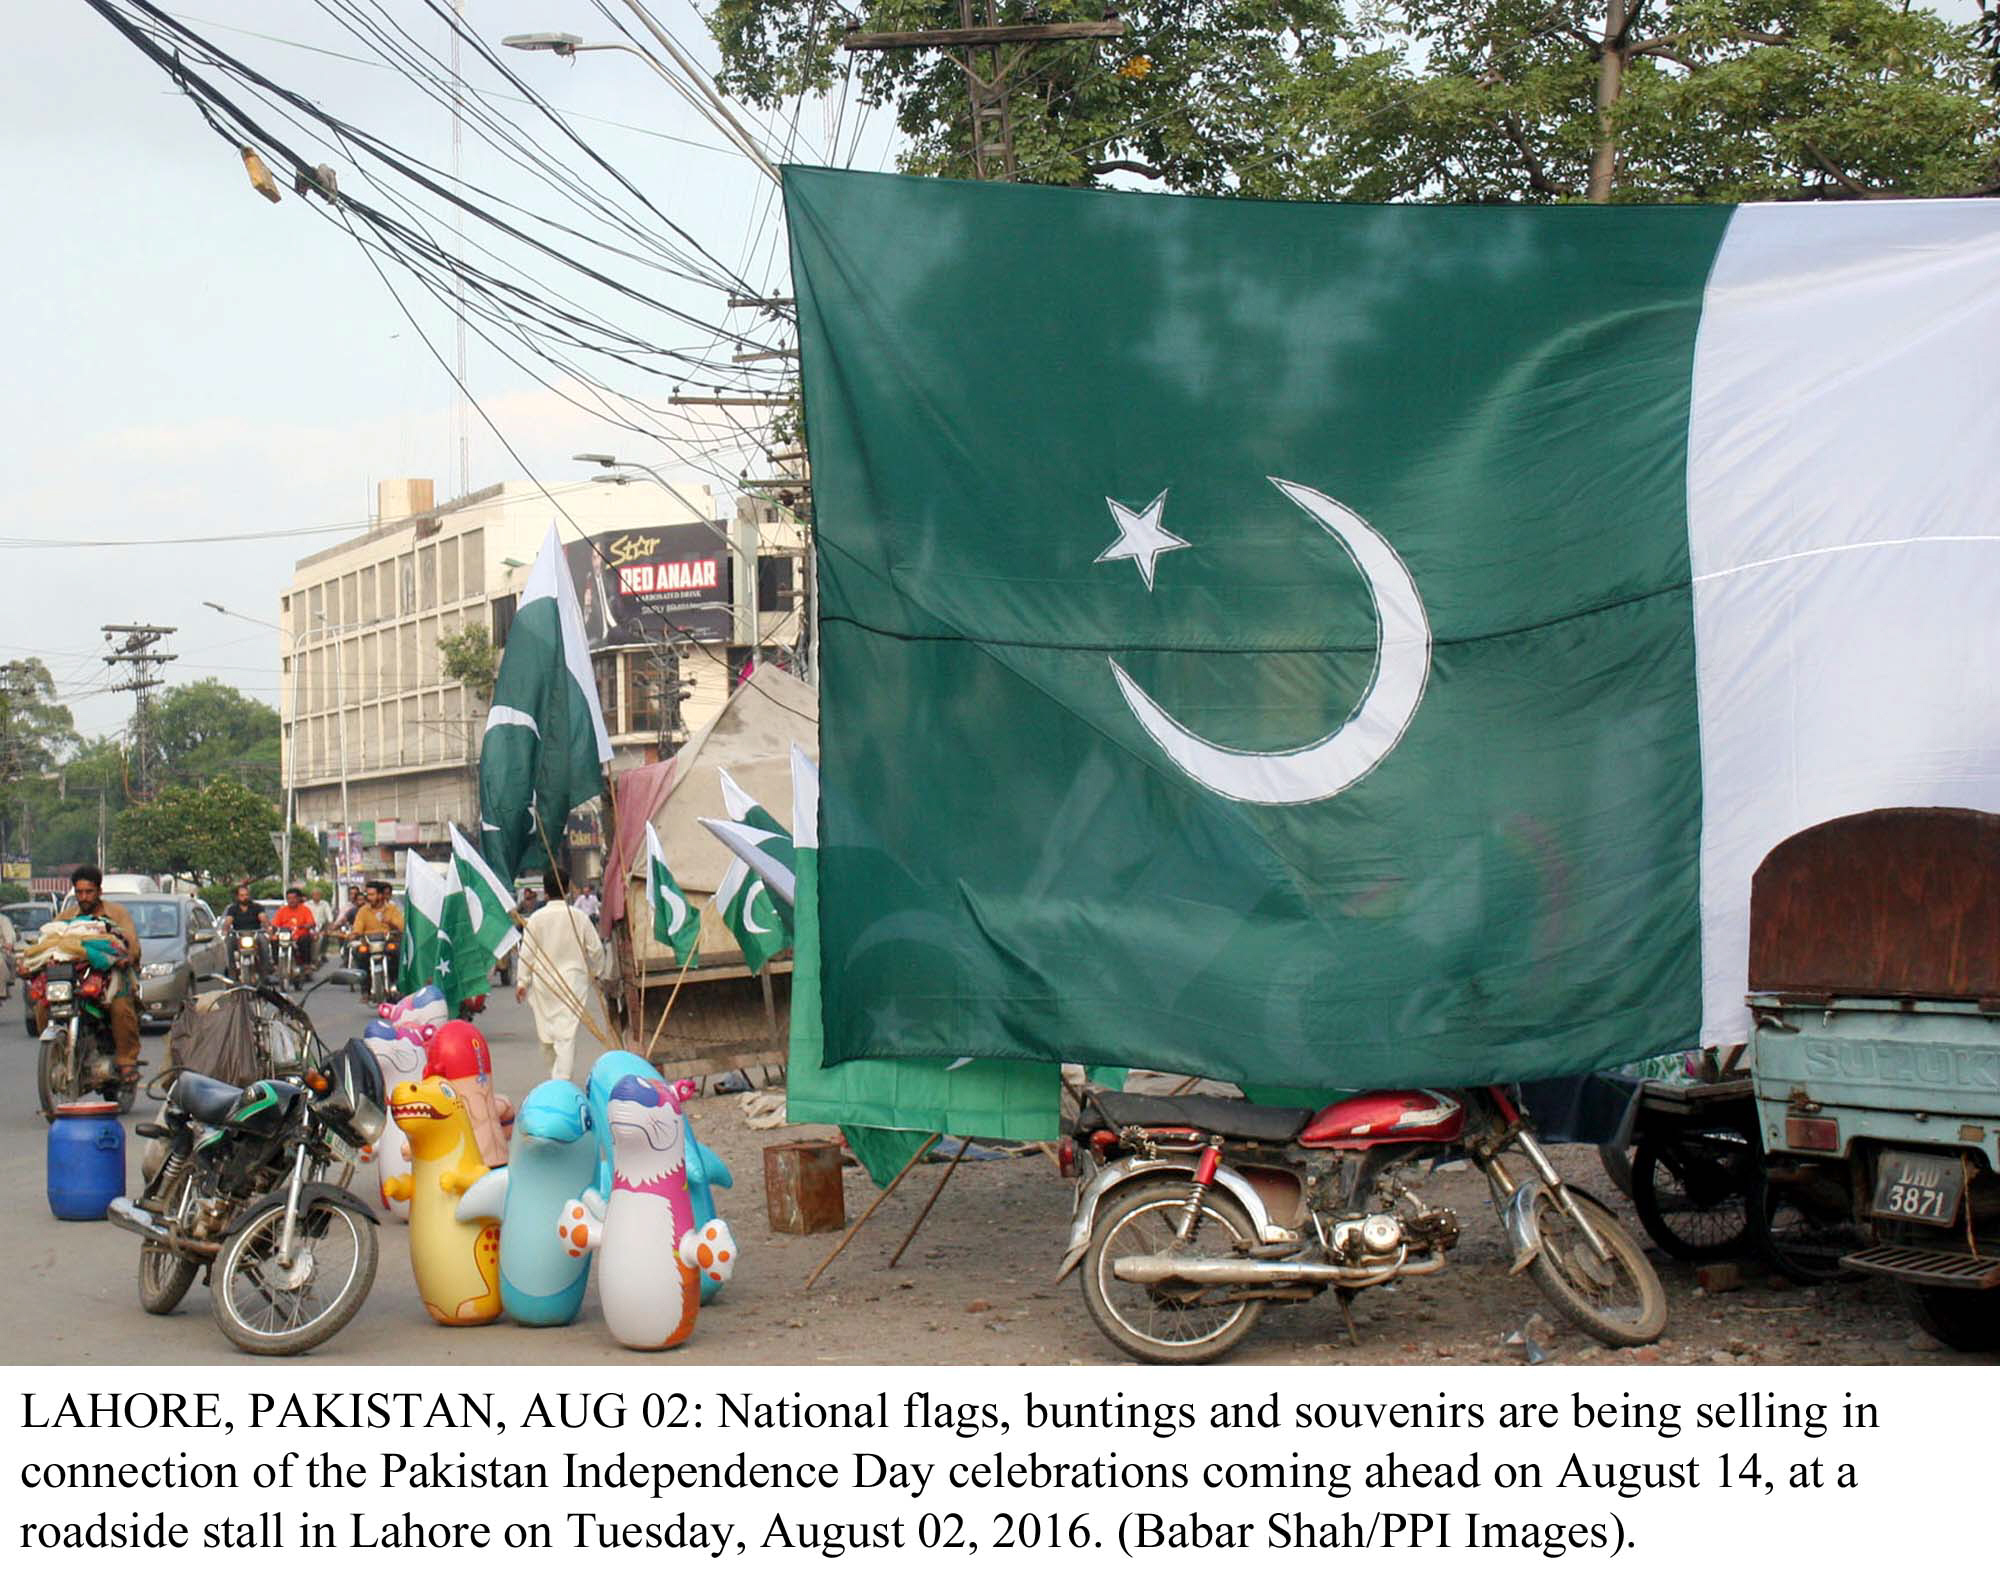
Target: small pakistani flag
x,y
545,747
745,809
675,922
478,919
426,946
752,915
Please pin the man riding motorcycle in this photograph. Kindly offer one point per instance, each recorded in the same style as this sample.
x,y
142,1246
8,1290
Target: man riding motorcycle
x,y
87,900
378,914
244,915
296,915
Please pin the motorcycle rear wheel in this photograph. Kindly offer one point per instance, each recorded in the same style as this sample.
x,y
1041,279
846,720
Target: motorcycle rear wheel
x,y
1692,1191
1619,1302
1143,1322
257,1305
165,1277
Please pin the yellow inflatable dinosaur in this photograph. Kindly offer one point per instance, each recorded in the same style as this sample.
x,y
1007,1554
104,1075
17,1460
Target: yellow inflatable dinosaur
x,y
457,1263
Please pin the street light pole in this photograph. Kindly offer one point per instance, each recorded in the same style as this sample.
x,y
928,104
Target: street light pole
x,y
567,45
291,739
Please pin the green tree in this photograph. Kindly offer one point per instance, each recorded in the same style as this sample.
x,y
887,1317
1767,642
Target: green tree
x,y
222,830
208,728
1444,100
470,658
36,734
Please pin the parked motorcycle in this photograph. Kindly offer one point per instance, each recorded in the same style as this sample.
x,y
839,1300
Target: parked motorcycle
x,y
1194,1212
244,1192
78,1058
243,967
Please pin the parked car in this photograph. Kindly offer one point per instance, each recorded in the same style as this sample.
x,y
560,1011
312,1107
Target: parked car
x,y
27,917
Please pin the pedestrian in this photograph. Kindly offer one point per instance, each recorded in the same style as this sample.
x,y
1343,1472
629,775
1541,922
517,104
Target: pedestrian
x,y
587,902
560,957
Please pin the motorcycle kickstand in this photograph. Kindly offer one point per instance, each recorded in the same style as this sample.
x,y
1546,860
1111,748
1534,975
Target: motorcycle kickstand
x,y
1345,1298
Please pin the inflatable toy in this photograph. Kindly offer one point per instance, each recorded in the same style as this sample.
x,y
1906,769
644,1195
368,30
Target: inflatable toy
x,y
458,1052
554,1156
706,1171
400,1060
425,1007
651,1294
457,1263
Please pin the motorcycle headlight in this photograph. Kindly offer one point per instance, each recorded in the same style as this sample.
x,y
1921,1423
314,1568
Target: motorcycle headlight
x,y
59,992
158,969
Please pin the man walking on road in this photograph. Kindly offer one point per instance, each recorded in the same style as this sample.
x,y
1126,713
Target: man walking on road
x,y
560,956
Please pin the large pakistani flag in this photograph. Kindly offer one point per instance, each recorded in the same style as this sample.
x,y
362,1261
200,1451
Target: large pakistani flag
x,y
545,746
887,1110
1343,645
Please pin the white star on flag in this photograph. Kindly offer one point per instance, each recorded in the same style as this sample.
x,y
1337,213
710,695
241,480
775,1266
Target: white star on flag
x,y
1141,539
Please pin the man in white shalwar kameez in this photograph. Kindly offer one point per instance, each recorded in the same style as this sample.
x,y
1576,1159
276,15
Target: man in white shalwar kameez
x,y
559,942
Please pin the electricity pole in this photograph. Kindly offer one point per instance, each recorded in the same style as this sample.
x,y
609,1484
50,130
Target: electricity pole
x,y
139,651
991,55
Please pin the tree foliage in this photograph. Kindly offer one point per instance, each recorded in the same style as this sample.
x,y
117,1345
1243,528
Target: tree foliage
x,y
208,728
221,829
1447,100
36,734
470,658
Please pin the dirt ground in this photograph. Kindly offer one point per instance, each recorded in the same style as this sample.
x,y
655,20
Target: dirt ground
x,y
976,1287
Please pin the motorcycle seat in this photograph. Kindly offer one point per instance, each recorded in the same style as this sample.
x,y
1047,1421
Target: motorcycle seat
x,y
1216,1115
205,1100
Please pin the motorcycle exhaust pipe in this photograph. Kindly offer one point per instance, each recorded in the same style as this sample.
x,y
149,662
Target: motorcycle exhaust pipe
x,y
1148,1270
123,1213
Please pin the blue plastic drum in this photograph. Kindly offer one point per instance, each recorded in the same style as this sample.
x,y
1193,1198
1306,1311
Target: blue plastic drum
x,y
86,1160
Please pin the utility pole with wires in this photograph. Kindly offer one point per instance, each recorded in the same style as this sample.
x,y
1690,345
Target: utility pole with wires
x,y
461,411
141,652
991,55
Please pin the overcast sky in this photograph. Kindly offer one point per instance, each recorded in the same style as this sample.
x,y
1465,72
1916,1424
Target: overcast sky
x,y
188,359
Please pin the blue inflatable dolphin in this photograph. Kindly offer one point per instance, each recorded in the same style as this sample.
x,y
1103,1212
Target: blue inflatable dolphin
x,y
705,1170
552,1160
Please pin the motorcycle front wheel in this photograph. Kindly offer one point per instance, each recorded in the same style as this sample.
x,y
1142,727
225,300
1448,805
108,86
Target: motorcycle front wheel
x,y
267,1307
53,1077
1162,1324
1618,1301
1692,1191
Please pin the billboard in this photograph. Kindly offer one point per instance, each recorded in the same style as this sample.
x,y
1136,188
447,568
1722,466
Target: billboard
x,y
634,585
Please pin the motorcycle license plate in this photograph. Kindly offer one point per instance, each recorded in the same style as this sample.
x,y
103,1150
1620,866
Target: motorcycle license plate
x,y
59,992
342,1151
1913,1186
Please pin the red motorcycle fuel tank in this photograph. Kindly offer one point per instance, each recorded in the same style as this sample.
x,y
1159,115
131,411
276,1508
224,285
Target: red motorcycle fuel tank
x,y
1386,1117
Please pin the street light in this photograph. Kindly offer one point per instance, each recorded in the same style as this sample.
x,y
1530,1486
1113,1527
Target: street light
x,y
749,575
291,740
567,46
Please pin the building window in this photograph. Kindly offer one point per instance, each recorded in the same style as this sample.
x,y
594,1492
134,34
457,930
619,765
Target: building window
x,y
475,563
448,570
606,667
642,687
407,566
427,577
503,618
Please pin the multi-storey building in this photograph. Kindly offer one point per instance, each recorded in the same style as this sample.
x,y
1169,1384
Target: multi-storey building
x,y
382,742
